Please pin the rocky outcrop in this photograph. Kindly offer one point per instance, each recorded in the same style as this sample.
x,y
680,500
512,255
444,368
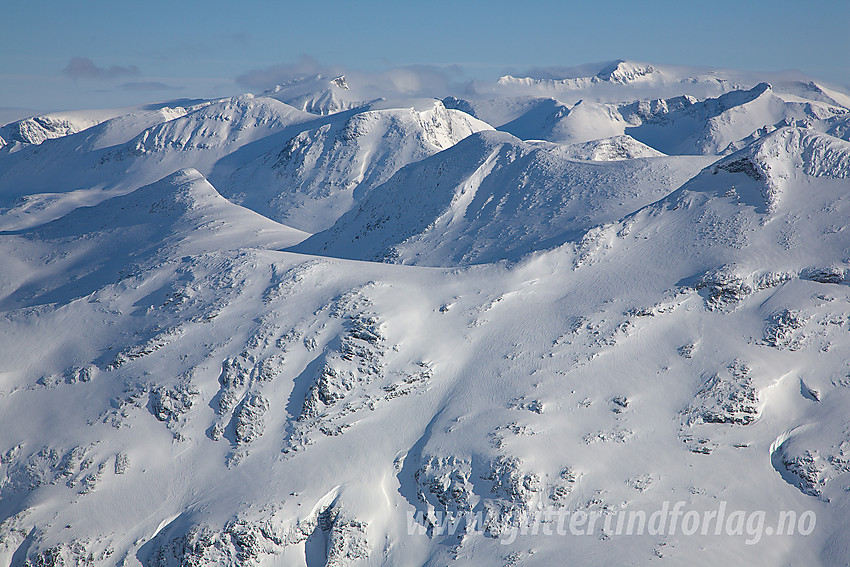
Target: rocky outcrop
x,y
727,397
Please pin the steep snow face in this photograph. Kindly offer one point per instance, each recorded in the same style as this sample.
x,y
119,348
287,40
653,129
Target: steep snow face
x,y
320,173
494,197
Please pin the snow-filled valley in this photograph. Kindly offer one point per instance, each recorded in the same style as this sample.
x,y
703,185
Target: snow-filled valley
x,y
304,327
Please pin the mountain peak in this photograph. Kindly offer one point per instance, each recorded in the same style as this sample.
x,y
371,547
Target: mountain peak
x,y
340,82
624,72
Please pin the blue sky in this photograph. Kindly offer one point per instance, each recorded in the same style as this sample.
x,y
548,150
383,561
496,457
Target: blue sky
x,y
56,54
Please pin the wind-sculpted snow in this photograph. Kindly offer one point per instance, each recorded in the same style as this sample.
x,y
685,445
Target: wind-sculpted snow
x,y
185,381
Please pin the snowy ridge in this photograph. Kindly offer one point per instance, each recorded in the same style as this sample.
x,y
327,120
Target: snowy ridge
x,y
223,122
712,126
123,154
35,130
617,72
620,80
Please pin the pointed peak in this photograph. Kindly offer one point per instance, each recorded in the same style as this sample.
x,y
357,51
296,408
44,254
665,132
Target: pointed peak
x,y
623,72
339,82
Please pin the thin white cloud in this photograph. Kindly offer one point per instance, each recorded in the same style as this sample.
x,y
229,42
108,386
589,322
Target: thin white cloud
x,y
408,81
268,77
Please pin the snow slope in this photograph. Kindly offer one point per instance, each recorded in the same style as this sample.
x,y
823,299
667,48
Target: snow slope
x,y
186,381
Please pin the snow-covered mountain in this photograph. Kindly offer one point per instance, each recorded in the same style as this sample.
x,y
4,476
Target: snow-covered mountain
x,y
301,327
714,126
678,125
319,94
37,129
494,197
619,76
320,173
